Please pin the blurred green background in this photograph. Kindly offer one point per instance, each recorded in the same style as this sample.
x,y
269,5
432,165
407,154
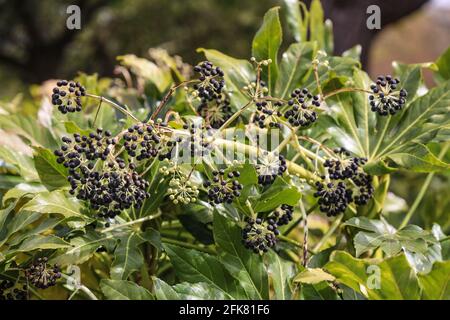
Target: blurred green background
x,y
35,44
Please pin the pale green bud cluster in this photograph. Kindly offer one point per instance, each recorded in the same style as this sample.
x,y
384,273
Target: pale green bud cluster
x,y
183,192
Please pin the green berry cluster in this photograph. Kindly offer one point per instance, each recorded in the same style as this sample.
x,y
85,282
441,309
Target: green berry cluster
x,y
182,191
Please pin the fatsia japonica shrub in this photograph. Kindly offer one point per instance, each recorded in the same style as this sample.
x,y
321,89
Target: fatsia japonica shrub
x,y
265,178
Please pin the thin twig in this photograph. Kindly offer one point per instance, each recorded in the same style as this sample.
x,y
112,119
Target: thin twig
x,y
115,105
79,286
305,236
98,110
187,245
234,116
167,97
316,77
335,92
131,222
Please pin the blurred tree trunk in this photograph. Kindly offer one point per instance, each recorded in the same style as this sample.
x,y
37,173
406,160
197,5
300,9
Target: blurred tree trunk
x,y
349,21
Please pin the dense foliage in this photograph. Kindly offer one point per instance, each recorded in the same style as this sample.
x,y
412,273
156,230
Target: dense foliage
x,y
265,178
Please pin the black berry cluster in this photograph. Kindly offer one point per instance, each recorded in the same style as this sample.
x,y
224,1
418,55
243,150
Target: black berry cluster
x,y
96,145
10,291
284,215
211,81
267,114
197,141
269,166
334,198
42,275
364,191
387,98
215,112
349,183
223,188
67,96
259,235
109,186
344,167
302,108
142,141
111,190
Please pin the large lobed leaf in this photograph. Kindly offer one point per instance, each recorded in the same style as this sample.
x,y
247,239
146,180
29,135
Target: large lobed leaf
x,y
194,266
397,280
247,267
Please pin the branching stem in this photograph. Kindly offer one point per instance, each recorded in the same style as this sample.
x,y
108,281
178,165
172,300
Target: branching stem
x,y
114,104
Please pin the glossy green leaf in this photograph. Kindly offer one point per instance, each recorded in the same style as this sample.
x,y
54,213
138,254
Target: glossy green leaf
x,y
82,248
281,272
198,291
42,242
297,19
54,202
52,174
318,291
354,121
147,70
410,76
328,38
5,217
417,157
244,265
435,285
195,266
411,238
72,127
127,256
20,220
266,43
124,290
422,260
295,66
46,225
390,279
443,64
21,190
280,192
22,162
420,121
313,276
163,291
316,26
186,291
